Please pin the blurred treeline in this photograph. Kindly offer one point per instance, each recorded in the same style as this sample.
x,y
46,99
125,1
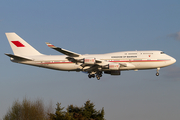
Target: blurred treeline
x,y
36,110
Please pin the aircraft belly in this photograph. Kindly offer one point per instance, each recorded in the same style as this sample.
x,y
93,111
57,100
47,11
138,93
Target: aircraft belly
x,y
150,65
65,67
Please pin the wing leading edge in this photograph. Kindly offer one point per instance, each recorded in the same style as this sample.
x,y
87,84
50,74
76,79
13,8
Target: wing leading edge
x,y
92,65
72,57
63,51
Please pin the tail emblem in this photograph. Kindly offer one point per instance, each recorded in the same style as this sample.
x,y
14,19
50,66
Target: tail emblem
x,y
18,44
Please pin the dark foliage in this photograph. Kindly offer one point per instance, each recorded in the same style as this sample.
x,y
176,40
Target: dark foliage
x,y
35,110
87,112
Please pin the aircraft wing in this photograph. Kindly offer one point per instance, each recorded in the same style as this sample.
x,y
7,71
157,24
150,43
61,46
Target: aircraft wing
x,y
89,63
63,51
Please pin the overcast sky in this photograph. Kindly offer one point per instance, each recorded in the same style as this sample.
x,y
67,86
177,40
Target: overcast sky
x,y
94,26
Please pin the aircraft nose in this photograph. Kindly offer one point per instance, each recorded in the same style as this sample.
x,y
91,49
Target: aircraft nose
x,y
173,60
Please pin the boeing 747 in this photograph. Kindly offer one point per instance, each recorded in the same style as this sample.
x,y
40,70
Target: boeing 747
x,y
93,64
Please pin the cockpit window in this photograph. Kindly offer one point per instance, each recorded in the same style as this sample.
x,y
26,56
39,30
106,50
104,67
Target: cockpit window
x,y
162,53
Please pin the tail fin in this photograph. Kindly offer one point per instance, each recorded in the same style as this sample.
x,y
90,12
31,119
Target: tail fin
x,y
19,46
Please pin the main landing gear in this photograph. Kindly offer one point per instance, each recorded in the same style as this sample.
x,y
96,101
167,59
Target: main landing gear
x,y
157,73
91,75
98,75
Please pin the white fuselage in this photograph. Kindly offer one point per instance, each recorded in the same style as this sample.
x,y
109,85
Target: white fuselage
x,y
134,60
94,64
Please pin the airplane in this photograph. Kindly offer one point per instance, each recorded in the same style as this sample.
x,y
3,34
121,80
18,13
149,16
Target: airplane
x,y
93,64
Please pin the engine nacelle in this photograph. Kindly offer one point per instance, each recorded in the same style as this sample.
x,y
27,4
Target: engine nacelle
x,y
90,61
114,72
113,66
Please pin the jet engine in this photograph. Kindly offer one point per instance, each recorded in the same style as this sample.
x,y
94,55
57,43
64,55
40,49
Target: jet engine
x,y
90,61
112,66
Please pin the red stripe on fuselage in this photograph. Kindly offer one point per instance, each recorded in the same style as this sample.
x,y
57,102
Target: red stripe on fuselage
x,y
109,61
55,62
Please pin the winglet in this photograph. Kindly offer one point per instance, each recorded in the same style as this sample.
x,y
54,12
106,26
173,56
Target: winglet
x,y
50,45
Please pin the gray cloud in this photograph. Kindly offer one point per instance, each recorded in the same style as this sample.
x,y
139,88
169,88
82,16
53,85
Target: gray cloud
x,y
175,36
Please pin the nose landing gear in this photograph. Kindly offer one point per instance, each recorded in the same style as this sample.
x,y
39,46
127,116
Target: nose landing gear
x,y
157,74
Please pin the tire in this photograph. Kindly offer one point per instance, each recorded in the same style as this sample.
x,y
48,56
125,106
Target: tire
x,y
157,74
98,77
89,76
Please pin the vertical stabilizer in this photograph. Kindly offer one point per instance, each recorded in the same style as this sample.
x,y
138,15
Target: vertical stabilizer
x,y
19,46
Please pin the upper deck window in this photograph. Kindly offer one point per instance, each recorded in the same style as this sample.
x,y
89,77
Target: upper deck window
x,y
162,53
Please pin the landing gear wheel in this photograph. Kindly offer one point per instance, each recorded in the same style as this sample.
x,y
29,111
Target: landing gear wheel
x,y
93,75
89,76
157,74
98,77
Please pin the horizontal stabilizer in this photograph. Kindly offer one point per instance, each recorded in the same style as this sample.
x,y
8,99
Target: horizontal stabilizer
x,y
18,57
63,51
